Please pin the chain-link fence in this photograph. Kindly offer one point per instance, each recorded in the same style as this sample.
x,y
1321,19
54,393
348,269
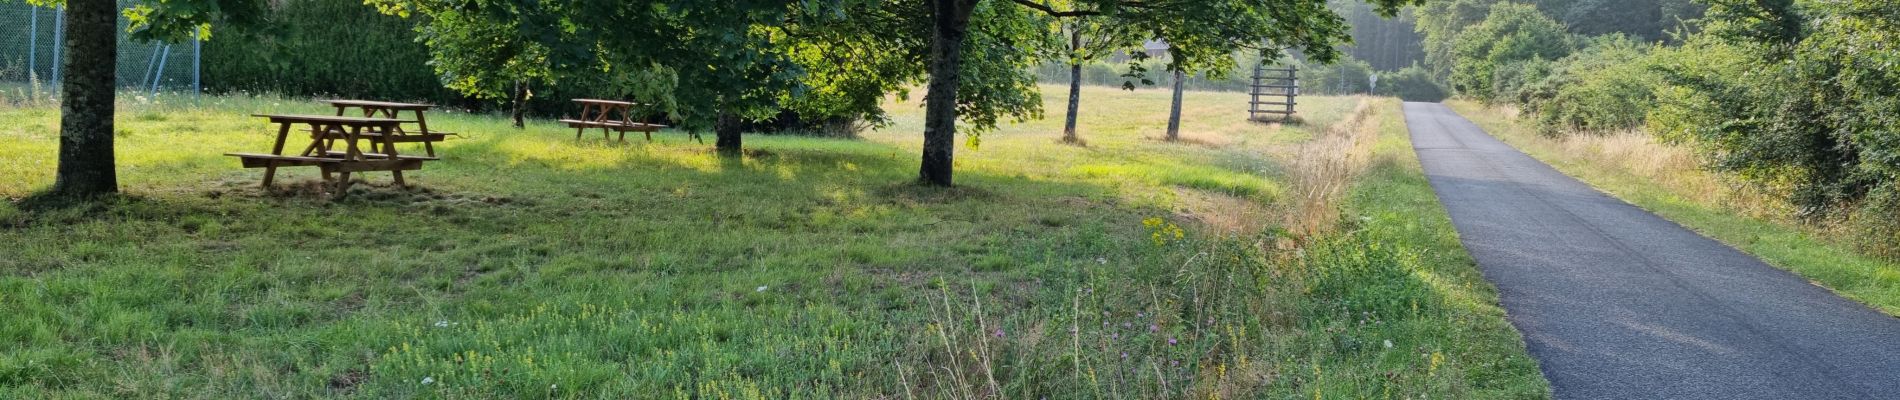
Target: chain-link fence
x,y
30,54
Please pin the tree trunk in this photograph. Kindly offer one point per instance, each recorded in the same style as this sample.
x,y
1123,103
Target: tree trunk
x,y
520,101
1174,113
950,22
86,92
1075,89
727,129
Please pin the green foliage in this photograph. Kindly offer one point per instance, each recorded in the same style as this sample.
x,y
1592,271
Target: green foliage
x,y
1642,20
1344,76
1510,34
1440,23
1105,73
1412,83
1608,85
1797,99
324,48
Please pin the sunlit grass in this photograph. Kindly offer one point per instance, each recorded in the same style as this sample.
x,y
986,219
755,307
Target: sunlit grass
x,y
531,265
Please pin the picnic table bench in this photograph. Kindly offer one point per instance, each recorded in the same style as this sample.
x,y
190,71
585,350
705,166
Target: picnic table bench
x,y
597,113
394,110
325,130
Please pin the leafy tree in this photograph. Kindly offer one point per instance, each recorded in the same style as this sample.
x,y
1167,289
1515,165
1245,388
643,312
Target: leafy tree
x,y
1607,85
1643,20
1440,23
1412,83
1512,33
1091,39
1201,33
1796,96
86,167
705,65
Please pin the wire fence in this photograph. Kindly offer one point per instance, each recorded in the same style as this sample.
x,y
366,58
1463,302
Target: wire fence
x,y
30,54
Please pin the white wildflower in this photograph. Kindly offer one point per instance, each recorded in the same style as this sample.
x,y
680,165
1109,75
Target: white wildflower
x,y
428,380
1388,343
760,289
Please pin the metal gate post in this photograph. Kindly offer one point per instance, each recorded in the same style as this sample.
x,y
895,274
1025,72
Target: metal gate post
x,y
59,39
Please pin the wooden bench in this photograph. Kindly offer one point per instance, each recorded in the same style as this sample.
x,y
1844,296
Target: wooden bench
x,y
607,127
377,162
381,133
393,110
598,114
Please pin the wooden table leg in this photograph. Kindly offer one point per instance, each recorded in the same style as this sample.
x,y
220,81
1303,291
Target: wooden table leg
x,y
423,125
270,171
389,149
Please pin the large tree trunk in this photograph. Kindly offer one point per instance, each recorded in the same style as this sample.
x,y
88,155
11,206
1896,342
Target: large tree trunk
x,y
520,100
86,90
1075,89
950,20
727,128
1174,113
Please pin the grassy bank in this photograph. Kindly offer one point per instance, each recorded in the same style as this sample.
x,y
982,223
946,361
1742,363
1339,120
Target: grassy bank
x,y
1668,180
531,265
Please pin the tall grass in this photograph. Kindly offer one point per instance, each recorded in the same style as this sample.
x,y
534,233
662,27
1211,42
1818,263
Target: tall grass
x,y
1323,169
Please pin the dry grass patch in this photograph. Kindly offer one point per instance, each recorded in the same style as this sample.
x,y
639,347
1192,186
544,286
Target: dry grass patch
x,y
1322,169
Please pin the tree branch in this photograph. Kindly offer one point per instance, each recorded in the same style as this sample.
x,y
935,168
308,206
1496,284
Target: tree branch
x,y
1051,11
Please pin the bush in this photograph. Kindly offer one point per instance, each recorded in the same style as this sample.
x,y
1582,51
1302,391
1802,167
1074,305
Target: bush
x,y
1512,33
1606,86
1412,83
1346,76
314,47
1805,111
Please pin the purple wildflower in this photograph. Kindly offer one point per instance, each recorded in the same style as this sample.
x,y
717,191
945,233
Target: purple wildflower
x,y
999,333
1171,341
1154,327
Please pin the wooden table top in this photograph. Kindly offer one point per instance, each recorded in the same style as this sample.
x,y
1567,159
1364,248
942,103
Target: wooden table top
x,y
330,119
613,102
376,104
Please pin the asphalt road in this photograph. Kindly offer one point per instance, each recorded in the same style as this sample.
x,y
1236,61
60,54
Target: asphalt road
x,y
1618,303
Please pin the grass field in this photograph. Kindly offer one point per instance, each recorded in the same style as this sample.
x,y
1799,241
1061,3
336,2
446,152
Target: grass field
x,y
1249,261
1668,180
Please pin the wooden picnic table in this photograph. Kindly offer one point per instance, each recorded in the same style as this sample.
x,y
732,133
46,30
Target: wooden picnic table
x,y
325,130
597,113
394,110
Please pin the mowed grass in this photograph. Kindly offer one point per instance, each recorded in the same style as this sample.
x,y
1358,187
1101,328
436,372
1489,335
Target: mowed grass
x,y
530,265
1668,180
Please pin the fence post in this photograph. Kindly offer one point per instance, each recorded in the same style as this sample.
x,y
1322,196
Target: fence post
x,y
33,46
159,73
150,62
59,39
197,49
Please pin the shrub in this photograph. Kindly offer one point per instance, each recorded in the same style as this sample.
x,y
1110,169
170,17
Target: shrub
x,y
1609,85
1412,83
1512,33
1797,99
311,47
1346,76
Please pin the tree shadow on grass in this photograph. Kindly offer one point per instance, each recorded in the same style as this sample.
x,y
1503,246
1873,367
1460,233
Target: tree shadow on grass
x,y
53,209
